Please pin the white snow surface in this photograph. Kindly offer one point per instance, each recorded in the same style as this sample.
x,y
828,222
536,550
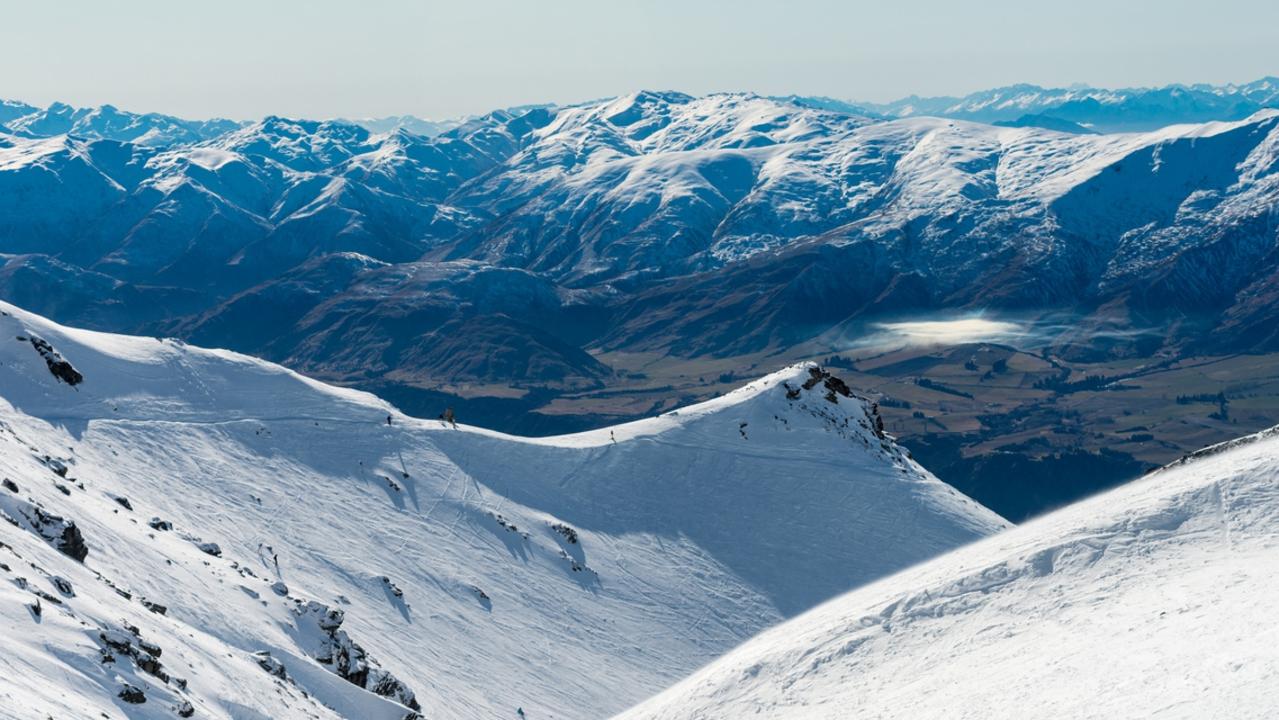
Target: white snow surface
x,y
1155,600
569,577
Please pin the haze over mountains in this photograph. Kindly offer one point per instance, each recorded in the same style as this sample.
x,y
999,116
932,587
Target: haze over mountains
x,y
1078,108
1097,109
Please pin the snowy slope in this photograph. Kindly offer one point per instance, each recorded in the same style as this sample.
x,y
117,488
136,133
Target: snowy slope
x,y
1154,600
281,523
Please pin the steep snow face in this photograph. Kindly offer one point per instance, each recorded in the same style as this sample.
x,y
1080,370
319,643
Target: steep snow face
x,y
1154,600
204,533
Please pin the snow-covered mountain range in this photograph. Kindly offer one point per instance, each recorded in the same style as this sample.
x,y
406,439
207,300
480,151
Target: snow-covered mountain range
x,y
1122,110
655,222
107,123
1153,600
200,533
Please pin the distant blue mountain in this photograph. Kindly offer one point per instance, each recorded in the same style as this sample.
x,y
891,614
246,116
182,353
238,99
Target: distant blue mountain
x,y
1047,122
1124,110
518,246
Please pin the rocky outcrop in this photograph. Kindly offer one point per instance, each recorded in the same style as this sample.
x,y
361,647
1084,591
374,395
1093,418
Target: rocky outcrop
x,y
58,531
132,694
58,365
820,379
333,648
128,643
567,532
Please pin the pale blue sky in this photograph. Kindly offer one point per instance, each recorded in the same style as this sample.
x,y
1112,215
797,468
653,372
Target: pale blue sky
x,y
322,58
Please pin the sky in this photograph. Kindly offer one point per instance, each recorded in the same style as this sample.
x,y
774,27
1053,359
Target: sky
x,y
321,58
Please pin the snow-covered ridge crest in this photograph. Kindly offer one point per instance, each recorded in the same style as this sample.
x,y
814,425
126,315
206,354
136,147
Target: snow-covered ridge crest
x,y
162,372
1149,600
226,538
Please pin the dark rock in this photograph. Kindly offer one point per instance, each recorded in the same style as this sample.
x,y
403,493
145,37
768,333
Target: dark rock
x,y
10,485
154,607
58,366
570,535
62,533
158,524
185,709
815,376
71,543
150,647
573,564
46,596
346,658
505,524
123,502
210,548
270,664
118,641
837,385
132,695
150,665
395,589
63,585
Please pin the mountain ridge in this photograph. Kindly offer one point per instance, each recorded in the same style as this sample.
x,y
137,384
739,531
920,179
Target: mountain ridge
x,y
342,559
531,265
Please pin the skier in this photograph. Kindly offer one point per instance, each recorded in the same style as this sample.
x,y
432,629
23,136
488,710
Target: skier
x,y
448,417
388,419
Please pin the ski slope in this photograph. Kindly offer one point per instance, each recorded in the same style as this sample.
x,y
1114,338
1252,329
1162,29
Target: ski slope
x,y
213,534
1156,600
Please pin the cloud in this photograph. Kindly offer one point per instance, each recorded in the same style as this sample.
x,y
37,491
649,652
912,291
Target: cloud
x,y
933,333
